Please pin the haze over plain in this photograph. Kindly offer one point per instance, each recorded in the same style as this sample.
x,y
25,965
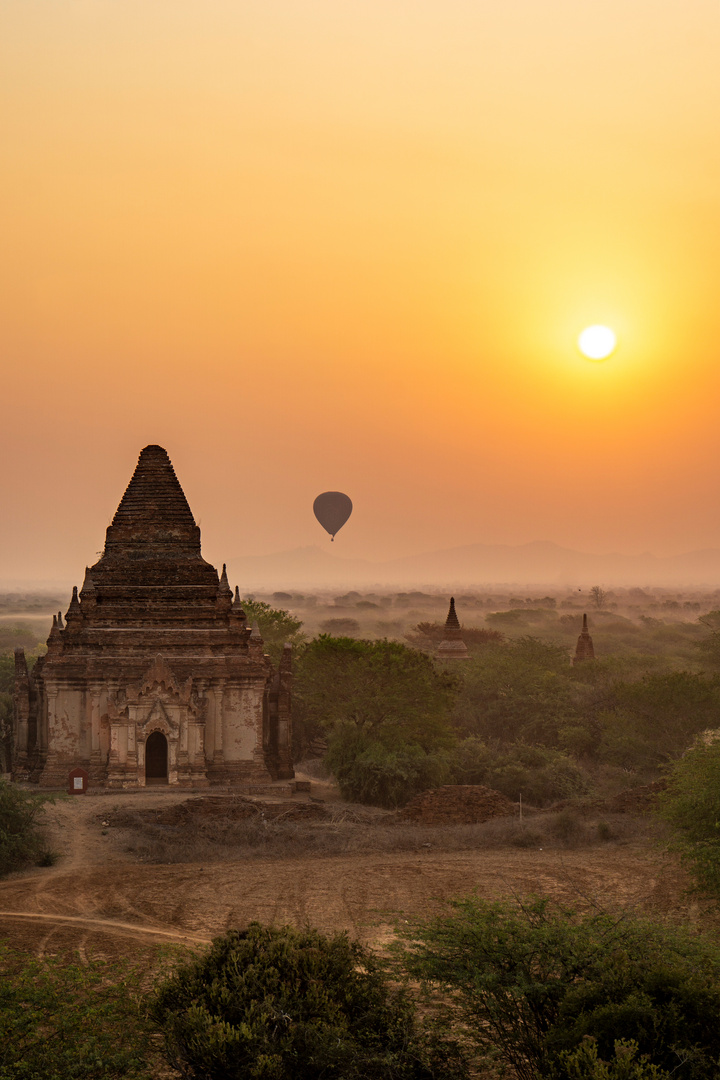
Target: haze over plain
x,y
325,246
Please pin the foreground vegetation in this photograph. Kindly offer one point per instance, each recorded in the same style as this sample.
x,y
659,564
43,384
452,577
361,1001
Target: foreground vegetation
x,y
21,838
524,989
535,989
527,982
65,1020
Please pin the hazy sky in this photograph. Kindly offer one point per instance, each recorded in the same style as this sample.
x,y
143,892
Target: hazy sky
x,y
349,244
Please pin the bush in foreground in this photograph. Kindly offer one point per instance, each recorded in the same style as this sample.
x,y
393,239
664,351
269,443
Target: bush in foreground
x,y
278,1004
69,1021
21,841
691,804
528,982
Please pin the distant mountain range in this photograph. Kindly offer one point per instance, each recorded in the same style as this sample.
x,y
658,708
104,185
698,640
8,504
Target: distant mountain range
x,y
536,564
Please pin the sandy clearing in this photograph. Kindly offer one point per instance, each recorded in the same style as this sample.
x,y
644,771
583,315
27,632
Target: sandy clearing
x,y
100,898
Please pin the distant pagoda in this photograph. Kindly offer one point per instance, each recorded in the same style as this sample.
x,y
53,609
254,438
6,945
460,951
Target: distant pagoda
x,y
584,650
452,646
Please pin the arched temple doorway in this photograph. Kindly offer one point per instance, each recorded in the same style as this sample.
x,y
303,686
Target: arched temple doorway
x,y
156,759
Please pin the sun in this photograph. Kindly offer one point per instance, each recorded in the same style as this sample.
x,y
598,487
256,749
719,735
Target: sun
x,y
597,342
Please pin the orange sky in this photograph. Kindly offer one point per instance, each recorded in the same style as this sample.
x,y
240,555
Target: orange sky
x,y
349,244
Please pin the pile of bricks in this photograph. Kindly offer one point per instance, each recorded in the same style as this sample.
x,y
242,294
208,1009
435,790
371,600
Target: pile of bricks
x,y
460,804
635,800
196,812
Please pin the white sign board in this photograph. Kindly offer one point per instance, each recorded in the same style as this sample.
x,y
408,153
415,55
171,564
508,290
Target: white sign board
x,y
77,783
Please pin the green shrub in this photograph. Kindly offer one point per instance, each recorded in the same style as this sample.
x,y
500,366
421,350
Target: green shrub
x,y
279,1004
691,804
651,721
540,773
368,771
584,1063
21,841
527,982
384,711
69,1021
518,691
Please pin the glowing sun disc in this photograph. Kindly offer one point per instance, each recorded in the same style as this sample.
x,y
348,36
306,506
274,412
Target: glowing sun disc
x,y
597,342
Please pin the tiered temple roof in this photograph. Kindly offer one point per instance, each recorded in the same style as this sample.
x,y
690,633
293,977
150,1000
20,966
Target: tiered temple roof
x,y
151,570
452,646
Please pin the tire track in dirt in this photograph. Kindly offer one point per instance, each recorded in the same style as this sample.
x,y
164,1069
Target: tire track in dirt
x,y
132,930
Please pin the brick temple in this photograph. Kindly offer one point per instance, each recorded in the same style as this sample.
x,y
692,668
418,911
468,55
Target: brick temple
x,y
155,676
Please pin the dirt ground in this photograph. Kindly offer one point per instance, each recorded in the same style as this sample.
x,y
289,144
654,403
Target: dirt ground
x,y
99,899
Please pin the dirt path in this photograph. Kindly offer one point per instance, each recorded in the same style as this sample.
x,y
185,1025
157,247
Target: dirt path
x,y
97,898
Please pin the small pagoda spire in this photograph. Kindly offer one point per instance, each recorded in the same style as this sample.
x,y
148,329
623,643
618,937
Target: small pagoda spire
x,y
452,622
255,634
88,585
452,646
224,593
237,608
60,625
53,641
584,650
74,612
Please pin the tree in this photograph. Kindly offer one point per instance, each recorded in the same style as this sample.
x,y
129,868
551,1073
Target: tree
x,y
369,771
21,841
598,595
62,1020
528,981
383,709
383,688
710,646
540,774
6,732
520,690
691,804
276,626
271,1003
652,721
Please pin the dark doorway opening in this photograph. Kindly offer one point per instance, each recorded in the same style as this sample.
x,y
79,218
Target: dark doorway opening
x,y
156,759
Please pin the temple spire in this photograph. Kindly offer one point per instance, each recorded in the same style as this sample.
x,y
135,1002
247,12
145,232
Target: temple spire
x,y
584,650
452,646
153,513
237,608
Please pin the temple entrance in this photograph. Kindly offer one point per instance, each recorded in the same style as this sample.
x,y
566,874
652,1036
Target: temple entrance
x,y
156,759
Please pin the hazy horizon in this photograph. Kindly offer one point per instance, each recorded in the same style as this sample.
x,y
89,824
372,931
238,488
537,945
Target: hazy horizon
x,y
311,247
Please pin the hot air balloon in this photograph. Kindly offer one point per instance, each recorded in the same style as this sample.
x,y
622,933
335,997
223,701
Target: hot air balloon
x,y
332,509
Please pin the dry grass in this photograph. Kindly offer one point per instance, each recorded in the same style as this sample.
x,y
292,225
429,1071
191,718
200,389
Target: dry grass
x,y
346,831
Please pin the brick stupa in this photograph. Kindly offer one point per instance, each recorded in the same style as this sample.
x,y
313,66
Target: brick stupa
x,y
584,650
452,646
155,677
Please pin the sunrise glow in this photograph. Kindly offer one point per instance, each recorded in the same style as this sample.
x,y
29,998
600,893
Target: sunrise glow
x,y
350,247
597,342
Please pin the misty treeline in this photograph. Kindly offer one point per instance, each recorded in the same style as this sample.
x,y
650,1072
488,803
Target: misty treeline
x,y
516,717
